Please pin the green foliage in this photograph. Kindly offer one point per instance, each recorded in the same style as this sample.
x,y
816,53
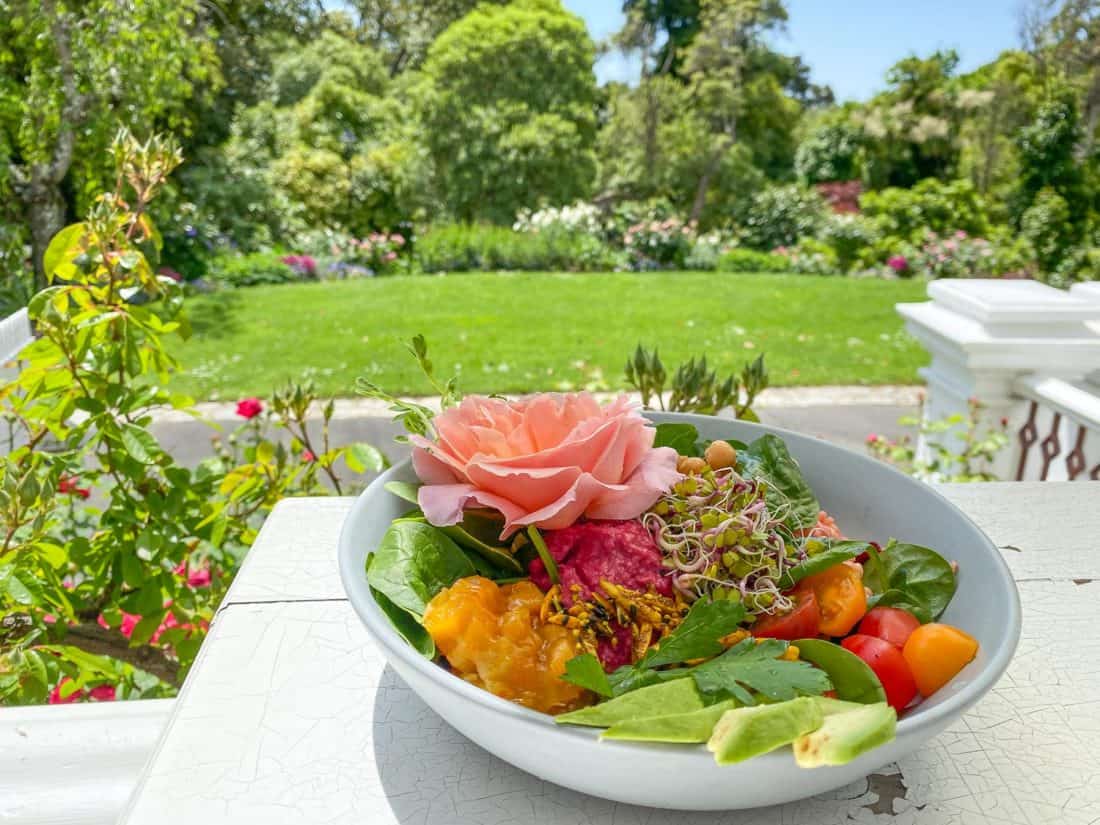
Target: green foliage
x,y
929,205
780,215
108,543
961,448
751,260
507,107
251,269
474,247
849,237
695,387
830,152
1048,158
1048,227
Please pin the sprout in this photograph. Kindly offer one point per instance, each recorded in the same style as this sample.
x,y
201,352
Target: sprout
x,y
720,535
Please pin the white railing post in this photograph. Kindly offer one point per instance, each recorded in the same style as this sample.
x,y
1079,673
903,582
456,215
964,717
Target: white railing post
x,y
984,335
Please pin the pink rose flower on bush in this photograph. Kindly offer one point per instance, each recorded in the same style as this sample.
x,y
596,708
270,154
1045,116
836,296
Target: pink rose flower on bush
x,y
545,461
249,407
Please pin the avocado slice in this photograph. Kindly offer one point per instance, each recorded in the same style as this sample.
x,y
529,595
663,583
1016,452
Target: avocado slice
x,y
693,726
743,733
662,699
844,736
830,707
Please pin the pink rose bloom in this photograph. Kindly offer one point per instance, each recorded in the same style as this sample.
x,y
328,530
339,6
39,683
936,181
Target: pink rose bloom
x,y
544,460
249,407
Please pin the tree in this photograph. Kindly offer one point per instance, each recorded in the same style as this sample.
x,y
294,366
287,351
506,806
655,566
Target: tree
x,y
405,29
508,109
69,73
717,65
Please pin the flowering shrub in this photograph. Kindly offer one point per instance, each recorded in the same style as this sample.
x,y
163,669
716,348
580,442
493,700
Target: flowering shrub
x,y
655,244
255,269
580,217
304,265
957,255
809,257
841,196
380,253
114,557
958,449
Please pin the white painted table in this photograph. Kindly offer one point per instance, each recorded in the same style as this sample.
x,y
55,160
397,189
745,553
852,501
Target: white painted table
x,y
291,716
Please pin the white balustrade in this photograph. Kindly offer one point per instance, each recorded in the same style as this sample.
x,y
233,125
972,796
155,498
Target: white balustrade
x,y
1026,351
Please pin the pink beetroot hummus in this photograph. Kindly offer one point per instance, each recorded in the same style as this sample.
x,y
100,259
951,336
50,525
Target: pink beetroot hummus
x,y
621,552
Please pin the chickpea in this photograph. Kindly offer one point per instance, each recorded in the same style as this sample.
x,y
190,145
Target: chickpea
x,y
720,454
690,465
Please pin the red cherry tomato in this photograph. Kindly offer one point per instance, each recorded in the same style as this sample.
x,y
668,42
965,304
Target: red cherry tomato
x,y
800,623
891,624
889,666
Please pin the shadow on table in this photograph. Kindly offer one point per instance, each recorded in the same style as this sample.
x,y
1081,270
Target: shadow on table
x,y
433,775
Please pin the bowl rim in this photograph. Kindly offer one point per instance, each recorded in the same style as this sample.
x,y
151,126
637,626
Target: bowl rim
x,y
362,601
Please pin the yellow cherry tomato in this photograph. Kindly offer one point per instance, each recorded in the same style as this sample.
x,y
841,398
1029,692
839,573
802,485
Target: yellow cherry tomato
x,y
936,653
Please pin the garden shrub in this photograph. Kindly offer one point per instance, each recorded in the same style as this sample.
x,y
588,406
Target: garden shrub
x,y
258,268
829,153
780,215
957,255
810,257
848,236
1046,226
706,252
473,247
658,244
752,260
930,205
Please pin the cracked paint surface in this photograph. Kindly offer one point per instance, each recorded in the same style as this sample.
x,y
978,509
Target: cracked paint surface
x,y
291,715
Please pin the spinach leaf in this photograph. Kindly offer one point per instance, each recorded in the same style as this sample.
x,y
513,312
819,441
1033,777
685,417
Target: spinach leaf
x,y
852,678
832,552
586,671
403,489
768,458
403,622
478,532
911,577
750,666
413,563
683,438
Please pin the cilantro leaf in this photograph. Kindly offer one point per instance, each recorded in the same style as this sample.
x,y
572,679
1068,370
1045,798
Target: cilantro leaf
x,y
750,666
695,638
586,671
697,635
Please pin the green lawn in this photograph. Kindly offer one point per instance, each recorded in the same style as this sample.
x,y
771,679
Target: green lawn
x,y
532,331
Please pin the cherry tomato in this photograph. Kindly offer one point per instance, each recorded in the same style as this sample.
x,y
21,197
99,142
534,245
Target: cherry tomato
x,y
935,653
891,624
840,597
889,666
800,623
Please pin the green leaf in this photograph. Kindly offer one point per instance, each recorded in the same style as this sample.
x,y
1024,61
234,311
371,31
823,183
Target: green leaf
x,y
586,671
824,553
751,666
697,635
917,579
768,458
413,563
144,629
404,622
139,443
852,678
57,260
403,489
683,438
361,457
478,532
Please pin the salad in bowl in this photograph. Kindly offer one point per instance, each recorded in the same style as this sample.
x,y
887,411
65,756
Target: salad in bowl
x,y
666,585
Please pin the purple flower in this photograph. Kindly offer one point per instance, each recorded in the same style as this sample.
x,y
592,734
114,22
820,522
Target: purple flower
x,y
898,263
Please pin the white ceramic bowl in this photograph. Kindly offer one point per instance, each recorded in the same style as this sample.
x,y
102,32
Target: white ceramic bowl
x,y
868,499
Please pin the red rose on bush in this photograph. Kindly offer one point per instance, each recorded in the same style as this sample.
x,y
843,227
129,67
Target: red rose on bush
x,y
249,407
